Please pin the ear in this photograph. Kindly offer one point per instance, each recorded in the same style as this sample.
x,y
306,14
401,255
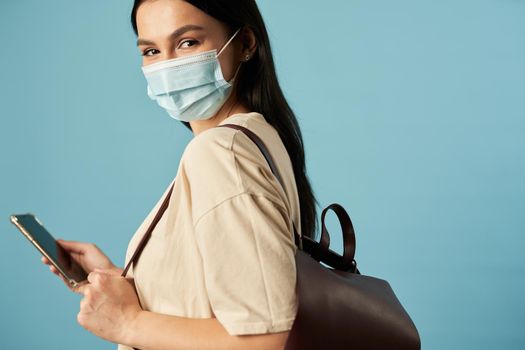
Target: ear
x,y
249,43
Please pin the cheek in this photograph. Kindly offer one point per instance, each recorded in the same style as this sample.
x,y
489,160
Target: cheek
x,y
228,66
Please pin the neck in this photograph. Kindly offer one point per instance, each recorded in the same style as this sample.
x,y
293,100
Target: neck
x,y
229,108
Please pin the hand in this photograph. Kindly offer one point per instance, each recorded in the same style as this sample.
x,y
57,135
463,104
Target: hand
x,y
110,305
88,255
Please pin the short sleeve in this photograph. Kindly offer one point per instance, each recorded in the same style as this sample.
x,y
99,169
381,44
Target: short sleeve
x,y
248,256
220,163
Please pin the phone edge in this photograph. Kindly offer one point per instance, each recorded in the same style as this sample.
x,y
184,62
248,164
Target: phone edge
x,y
14,220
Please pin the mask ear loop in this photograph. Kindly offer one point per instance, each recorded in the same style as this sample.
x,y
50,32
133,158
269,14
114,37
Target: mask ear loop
x,y
225,45
237,71
229,41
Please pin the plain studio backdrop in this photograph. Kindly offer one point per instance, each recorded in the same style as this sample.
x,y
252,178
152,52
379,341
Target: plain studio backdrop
x,y
413,118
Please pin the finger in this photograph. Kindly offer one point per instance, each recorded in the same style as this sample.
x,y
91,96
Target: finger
x,y
66,282
72,246
50,265
80,288
56,272
106,271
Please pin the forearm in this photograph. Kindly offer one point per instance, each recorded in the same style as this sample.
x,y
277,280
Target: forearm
x,y
154,331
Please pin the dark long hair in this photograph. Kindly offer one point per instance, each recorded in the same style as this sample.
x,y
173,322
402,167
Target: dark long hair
x,y
258,88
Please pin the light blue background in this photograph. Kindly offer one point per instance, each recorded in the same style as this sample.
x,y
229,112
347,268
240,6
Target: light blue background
x,y
413,118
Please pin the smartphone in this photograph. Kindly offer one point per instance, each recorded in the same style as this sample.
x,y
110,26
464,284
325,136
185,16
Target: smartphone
x,y
36,233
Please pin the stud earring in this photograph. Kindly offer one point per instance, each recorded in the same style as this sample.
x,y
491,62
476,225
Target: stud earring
x,y
246,58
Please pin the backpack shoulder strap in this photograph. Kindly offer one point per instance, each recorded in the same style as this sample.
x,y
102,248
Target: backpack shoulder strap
x,y
147,235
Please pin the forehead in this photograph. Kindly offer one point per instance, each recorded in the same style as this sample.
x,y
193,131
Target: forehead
x,y
159,18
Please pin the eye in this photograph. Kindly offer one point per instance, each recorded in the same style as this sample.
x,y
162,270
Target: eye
x,y
149,52
188,41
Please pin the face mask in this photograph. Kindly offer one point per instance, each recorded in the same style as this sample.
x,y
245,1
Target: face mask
x,y
190,87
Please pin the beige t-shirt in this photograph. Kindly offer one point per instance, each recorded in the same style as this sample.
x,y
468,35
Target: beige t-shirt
x,y
224,247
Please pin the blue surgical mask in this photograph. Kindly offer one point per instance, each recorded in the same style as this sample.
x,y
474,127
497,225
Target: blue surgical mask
x,y
190,87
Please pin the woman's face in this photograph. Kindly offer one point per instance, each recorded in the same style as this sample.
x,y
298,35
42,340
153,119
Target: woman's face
x,y
174,28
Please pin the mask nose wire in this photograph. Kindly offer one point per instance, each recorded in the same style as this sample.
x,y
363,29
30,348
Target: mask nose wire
x,y
225,45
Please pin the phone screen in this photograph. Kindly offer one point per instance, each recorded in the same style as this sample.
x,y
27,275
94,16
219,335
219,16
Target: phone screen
x,y
48,243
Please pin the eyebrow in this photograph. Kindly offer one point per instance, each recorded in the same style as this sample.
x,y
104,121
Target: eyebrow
x,y
176,33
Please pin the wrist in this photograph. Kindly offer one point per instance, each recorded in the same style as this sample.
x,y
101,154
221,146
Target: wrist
x,y
132,329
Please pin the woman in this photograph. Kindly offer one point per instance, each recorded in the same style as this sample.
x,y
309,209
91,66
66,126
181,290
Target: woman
x,y
219,269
